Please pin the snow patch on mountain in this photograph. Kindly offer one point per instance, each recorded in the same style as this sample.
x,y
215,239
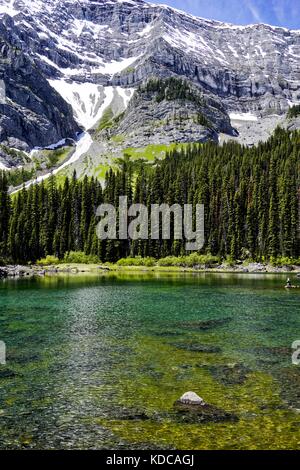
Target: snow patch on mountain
x,y
8,8
115,66
89,100
83,145
146,31
96,65
92,51
243,117
3,167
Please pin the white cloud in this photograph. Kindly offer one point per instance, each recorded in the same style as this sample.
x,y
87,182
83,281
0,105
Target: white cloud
x,y
254,11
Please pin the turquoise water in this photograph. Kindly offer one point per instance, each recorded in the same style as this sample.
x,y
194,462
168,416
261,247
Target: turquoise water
x,y
98,362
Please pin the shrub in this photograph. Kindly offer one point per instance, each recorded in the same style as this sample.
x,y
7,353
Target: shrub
x,y
203,121
4,261
138,261
106,120
149,262
78,257
293,112
19,176
283,261
49,260
230,261
189,261
169,261
171,89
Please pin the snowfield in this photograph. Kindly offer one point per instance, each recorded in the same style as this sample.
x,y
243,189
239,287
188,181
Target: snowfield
x,y
82,146
3,167
89,101
243,117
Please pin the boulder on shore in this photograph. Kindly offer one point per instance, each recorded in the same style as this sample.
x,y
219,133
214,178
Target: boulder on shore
x,y
16,271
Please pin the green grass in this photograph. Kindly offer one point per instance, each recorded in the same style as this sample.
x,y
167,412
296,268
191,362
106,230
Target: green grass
x,y
118,139
151,152
100,171
51,158
57,156
107,120
129,70
73,257
60,179
293,112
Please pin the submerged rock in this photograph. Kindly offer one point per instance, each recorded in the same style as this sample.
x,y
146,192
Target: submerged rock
x,y
196,347
289,380
24,359
125,414
201,413
192,409
273,351
271,356
206,324
150,371
229,374
128,445
166,334
7,374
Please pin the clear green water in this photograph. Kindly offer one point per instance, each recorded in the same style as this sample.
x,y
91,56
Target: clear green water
x,y
94,357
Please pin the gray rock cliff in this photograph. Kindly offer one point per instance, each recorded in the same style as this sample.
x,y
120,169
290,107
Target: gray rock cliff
x,y
248,69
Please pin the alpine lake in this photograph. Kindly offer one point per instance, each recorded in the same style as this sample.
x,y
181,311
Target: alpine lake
x,y
98,361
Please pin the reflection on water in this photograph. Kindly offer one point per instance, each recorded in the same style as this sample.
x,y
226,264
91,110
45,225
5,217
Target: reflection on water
x,y
98,362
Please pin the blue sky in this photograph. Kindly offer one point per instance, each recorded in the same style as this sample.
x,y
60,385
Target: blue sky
x,y
276,12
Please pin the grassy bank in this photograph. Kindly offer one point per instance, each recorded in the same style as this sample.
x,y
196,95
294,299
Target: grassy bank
x,y
79,262
92,268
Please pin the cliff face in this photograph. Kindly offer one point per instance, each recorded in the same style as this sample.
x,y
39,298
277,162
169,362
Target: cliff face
x,y
121,44
252,68
169,110
33,113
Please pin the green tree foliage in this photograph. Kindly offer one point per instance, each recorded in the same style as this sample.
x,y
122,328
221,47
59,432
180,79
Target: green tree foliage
x,y
251,198
294,111
171,89
4,214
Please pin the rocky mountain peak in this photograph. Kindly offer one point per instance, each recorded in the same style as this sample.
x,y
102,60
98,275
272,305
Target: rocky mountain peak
x,y
95,53
120,42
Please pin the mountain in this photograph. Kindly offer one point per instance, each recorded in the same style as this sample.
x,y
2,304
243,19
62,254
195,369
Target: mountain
x,y
96,53
33,113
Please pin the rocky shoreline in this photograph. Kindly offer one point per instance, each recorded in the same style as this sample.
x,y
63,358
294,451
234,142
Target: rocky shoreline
x,y
256,268
21,271
29,271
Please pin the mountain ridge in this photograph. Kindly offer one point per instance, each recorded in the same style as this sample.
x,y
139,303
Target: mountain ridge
x,y
91,52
